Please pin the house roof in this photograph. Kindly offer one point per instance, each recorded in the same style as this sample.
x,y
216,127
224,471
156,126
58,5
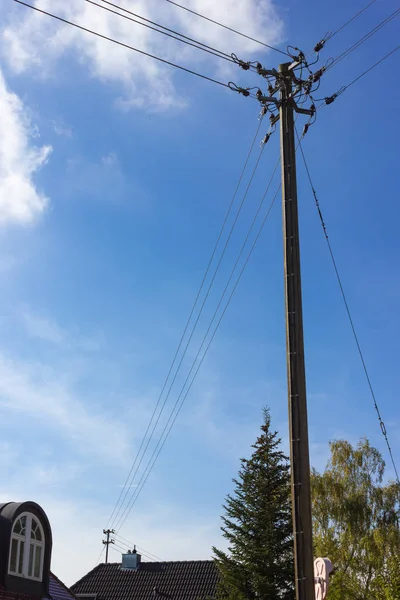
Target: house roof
x,y
180,580
58,590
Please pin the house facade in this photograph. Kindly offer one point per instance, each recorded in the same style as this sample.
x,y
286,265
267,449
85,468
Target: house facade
x,y
25,555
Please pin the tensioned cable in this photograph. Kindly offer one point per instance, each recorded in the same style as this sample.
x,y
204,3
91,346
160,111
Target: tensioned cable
x,y
226,27
329,99
192,42
372,67
360,352
166,433
363,39
142,550
121,550
238,212
130,479
351,20
105,37
100,555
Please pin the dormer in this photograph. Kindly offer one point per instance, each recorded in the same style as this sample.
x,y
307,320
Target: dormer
x,y
25,548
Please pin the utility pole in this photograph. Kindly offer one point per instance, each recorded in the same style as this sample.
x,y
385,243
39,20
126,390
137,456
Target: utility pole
x,y
107,541
292,87
298,427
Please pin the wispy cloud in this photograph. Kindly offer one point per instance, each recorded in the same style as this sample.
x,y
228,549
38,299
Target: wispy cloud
x,y
43,328
42,394
20,200
35,40
61,129
46,329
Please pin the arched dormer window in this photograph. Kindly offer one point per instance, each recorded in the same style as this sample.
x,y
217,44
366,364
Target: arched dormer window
x,y
27,548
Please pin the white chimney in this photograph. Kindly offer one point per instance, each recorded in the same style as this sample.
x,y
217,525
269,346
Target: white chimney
x,y
131,560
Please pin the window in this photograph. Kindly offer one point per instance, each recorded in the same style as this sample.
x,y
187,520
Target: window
x,y
27,548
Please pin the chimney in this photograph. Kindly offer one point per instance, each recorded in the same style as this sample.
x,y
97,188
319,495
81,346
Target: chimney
x,y
131,560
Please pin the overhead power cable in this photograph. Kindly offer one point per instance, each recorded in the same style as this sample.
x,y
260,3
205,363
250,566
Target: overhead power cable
x,y
351,20
329,99
226,27
141,550
104,37
182,38
101,554
121,550
198,318
210,285
349,315
183,394
145,442
363,39
372,67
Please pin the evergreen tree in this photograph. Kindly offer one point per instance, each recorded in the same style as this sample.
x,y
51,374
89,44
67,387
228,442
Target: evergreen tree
x,y
257,526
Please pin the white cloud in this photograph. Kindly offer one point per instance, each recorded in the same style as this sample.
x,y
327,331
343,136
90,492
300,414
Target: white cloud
x,y
41,393
46,329
43,328
110,159
20,201
61,129
34,40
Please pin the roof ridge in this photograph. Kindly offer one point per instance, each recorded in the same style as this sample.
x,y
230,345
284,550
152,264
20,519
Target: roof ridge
x,y
156,562
90,572
63,585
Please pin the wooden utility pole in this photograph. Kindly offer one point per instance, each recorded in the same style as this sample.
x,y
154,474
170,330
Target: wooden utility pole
x,y
298,427
107,541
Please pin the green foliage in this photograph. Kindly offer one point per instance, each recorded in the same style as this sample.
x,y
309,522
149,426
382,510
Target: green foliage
x,y
257,526
356,523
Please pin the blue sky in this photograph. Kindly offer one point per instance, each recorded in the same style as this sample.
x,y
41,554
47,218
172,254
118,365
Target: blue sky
x,y
117,173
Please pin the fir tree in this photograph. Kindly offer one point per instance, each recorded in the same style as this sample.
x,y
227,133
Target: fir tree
x,y
257,526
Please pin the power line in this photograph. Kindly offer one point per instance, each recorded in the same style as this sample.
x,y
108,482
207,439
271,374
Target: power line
x,y
100,555
130,479
360,352
364,38
172,419
351,20
372,67
196,323
104,37
153,556
330,99
121,550
226,27
124,550
198,317
142,550
192,42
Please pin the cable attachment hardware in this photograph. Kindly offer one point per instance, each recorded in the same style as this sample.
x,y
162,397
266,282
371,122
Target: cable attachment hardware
x,y
265,99
310,121
263,112
261,70
265,139
322,42
317,75
243,64
300,57
240,90
330,99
